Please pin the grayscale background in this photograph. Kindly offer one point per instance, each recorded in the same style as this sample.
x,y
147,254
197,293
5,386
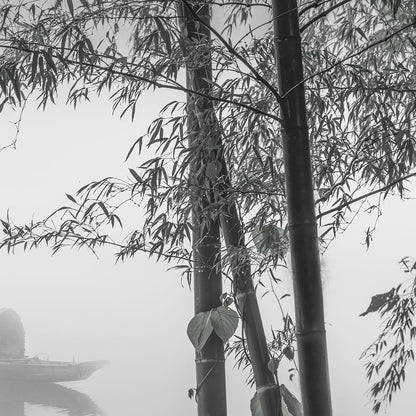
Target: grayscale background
x,y
135,313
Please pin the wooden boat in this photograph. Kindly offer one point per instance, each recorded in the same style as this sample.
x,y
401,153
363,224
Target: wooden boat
x,y
36,369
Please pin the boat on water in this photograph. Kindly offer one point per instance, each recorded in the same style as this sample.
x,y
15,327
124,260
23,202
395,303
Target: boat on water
x,y
17,366
36,369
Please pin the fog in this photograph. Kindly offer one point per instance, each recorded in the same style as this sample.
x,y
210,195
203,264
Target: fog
x,y
134,313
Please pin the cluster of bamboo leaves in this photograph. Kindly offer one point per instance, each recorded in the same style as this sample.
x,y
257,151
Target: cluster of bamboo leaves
x,y
388,356
360,111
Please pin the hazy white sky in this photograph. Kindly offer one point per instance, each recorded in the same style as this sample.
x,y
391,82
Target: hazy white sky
x,y
135,313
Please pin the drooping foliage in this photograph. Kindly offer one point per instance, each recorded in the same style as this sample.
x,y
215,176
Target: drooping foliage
x,y
387,358
359,63
362,110
84,47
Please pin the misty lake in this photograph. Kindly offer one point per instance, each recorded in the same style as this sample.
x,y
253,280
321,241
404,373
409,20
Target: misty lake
x,y
75,307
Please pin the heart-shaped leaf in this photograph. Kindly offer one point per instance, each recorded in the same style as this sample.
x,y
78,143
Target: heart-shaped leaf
x,y
289,352
199,329
290,404
224,321
255,406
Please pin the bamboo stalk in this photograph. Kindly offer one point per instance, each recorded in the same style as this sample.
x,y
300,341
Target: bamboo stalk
x,y
206,244
200,80
311,338
209,362
267,386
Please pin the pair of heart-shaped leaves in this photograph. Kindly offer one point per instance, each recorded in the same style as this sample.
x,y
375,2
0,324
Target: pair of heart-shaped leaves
x,y
222,320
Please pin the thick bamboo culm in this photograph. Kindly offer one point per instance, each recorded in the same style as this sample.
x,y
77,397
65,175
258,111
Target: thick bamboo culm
x,y
199,80
210,366
310,327
206,245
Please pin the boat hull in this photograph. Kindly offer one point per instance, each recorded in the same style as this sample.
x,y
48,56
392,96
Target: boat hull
x,y
34,369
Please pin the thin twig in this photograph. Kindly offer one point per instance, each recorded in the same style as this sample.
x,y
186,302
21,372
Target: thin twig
x,y
323,14
17,123
314,5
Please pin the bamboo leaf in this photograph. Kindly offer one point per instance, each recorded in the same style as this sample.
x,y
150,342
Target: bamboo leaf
x,y
378,301
3,103
199,329
136,175
164,34
104,208
34,65
49,60
13,77
139,141
89,210
224,321
71,198
71,7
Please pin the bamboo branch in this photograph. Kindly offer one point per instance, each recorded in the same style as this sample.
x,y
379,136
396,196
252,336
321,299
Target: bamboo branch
x,y
323,14
153,83
359,198
313,5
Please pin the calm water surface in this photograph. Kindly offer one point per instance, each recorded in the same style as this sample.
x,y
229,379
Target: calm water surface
x,y
78,308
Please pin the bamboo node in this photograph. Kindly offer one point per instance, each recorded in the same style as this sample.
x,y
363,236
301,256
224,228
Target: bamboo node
x,y
310,332
242,295
209,360
311,223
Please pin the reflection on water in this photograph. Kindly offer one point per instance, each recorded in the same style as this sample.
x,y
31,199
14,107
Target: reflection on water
x,y
89,313
13,396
